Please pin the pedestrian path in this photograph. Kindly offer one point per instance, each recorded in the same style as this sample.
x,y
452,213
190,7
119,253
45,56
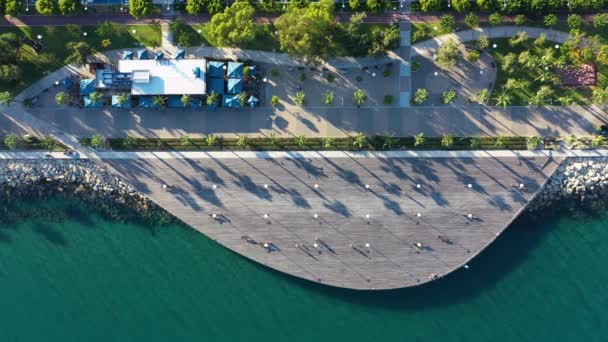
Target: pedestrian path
x,y
405,71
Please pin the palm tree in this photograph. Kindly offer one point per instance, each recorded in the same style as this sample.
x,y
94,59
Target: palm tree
x,y
419,139
186,100
212,99
328,97
359,97
124,98
503,98
389,142
96,97
360,141
243,99
328,143
159,101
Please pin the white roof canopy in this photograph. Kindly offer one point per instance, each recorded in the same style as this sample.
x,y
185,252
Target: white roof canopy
x,y
165,77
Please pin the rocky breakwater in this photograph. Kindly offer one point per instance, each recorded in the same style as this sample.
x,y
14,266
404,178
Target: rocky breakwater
x,y
576,178
89,182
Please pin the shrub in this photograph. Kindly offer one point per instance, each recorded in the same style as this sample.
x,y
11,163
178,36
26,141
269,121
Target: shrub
x,y
520,19
421,96
533,142
241,142
495,19
447,54
540,40
11,141
328,143
482,96
388,100
185,141
499,142
328,97
475,142
359,78
447,141
483,42
600,21
461,5
519,38
598,141
473,56
419,139
330,78
447,23
574,22
62,98
274,100
386,73
472,20
571,141
551,20
448,96
211,140
97,141
128,141
360,141
416,66
300,98
359,97
275,73
302,77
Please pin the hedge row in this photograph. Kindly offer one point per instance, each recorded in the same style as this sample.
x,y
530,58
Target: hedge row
x,y
376,143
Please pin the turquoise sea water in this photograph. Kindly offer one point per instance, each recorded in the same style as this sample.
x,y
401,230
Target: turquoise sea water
x,y
68,274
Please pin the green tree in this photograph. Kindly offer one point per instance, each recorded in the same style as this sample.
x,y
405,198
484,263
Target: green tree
x,y
233,27
472,20
214,6
13,7
274,100
461,5
48,143
376,6
96,97
307,32
195,7
487,5
70,6
503,98
540,40
381,41
533,142
328,98
447,141
360,141
98,141
186,100
542,96
482,96
600,96
212,99
159,101
62,98
124,98
447,22
6,98
574,22
300,98
447,54
419,139
421,96
359,97
47,7
551,20
449,96
79,52
600,21
141,8
105,29
10,72
430,5
495,19
509,63
355,5
11,141
520,19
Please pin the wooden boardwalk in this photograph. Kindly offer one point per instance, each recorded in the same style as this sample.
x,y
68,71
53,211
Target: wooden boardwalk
x,y
338,232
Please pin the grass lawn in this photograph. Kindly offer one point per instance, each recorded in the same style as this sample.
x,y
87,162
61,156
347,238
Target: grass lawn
x,y
54,52
266,39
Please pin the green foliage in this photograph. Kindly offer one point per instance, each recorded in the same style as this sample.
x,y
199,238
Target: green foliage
x,y
597,141
185,141
495,19
482,96
330,77
571,141
97,141
243,97
419,139
10,72
461,5
159,101
449,96
274,100
195,7
300,98
483,42
70,6
62,98
551,20
307,32
272,140
376,6
128,141
386,73
6,98
503,98
328,143
475,142
381,41
105,29
124,98
355,5
388,142
212,99
359,97
233,27
302,77
13,7
574,22
430,5
48,143
388,100
520,19
96,97
509,63
328,98
533,142
141,8
11,141
600,96
212,140
542,96
241,142
47,7
471,20
519,38
447,141
447,54
360,141
473,56
600,21
447,22
499,142
421,96
80,51
540,40
301,141
275,73
186,100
